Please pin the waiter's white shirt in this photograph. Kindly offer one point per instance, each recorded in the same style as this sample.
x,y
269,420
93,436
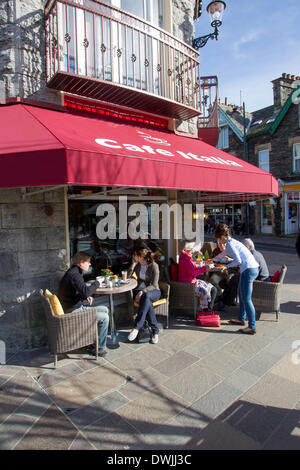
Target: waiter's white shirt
x,y
241,255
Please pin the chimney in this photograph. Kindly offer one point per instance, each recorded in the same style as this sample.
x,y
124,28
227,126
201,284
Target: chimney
x,y
282,88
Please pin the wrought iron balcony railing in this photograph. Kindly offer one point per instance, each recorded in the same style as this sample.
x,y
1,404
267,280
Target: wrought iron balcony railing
x,y
209,96
99,51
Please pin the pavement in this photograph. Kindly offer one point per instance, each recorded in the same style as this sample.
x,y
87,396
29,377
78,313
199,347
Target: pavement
x,y
198,388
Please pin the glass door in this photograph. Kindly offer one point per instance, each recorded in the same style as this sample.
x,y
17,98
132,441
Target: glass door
x,y
266,217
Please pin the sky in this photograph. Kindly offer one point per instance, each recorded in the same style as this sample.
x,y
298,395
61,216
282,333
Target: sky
x,y
258,41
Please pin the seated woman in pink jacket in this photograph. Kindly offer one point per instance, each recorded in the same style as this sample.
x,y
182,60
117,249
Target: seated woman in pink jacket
x,y
188,270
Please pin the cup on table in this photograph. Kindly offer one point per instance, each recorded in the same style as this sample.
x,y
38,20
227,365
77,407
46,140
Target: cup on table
x,y
124,275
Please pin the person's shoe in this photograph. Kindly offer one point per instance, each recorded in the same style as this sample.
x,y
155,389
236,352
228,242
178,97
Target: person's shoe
x,y
237,322
154,339
133,334
102,352
247,331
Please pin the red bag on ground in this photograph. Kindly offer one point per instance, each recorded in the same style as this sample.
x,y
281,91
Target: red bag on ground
x,y
210,318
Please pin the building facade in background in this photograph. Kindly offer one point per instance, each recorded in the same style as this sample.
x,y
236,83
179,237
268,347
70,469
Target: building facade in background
x,y
273,144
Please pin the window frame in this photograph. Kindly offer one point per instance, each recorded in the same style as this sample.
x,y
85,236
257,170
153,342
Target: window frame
x,y
296,157
263,164
223,141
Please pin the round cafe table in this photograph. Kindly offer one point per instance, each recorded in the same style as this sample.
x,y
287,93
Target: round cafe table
x,y
112,342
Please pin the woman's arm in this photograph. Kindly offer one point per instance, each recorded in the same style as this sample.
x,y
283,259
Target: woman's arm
x,y
233,253
154,278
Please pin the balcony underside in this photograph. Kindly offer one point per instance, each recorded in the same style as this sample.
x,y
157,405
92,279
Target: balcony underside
x,y
120,95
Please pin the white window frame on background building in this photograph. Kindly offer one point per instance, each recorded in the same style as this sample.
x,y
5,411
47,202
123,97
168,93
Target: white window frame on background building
x,y
223,142
296,157
264,159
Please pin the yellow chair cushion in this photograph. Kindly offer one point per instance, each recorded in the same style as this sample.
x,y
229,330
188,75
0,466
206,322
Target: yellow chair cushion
x,y
159,302
155,304
55,303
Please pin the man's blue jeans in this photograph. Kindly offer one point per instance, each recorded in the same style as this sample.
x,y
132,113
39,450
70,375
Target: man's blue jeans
x,y
146,310
245,293
103,323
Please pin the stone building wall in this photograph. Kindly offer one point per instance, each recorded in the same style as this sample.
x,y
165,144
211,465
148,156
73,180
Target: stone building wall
x,y
281,149
33,257
22,51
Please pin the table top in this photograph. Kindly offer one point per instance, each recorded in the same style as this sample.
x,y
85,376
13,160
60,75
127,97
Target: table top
x,y
117,290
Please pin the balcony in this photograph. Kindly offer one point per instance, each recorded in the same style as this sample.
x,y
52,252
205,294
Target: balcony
x,y
98,51
208,122
209,96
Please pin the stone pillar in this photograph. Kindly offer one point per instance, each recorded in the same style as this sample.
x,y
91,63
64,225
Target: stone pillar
x,y
33,257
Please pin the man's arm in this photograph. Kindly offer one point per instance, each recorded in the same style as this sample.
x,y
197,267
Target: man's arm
x,y
84,290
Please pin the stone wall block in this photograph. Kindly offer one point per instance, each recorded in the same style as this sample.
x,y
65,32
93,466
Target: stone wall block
x,y
9,240
12,291
10,315
9,265
32,239
56,237
10,195
54,196
41,262
31,215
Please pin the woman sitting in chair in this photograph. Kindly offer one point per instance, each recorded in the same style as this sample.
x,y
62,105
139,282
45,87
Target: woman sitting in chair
x,y
188,271
147,291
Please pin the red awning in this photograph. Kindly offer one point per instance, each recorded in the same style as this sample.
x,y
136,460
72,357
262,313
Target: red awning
x,y
40,147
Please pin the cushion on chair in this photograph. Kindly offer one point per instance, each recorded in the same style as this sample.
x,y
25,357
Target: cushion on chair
x,y
55,303
275,277
159,302
155,304
48,293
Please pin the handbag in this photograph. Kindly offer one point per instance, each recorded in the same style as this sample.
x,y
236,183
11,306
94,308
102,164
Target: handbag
x,y
210,318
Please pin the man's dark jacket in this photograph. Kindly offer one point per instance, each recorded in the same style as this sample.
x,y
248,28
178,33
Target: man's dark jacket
x,y
263,271
73,290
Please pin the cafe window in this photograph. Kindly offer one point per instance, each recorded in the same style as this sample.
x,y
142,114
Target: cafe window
x,y
264,160
296,158
114,253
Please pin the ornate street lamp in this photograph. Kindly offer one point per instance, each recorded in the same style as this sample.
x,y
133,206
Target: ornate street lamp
x,y
215,10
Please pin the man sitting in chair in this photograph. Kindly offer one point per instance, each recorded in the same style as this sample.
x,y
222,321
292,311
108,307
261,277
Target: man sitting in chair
x,y
73,291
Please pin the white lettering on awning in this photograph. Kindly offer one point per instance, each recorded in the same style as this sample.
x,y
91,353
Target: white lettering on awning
x,y
148,149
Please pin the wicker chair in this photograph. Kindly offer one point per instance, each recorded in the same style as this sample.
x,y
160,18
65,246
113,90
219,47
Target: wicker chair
x,y
183,299
70,331
161,306
266,295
